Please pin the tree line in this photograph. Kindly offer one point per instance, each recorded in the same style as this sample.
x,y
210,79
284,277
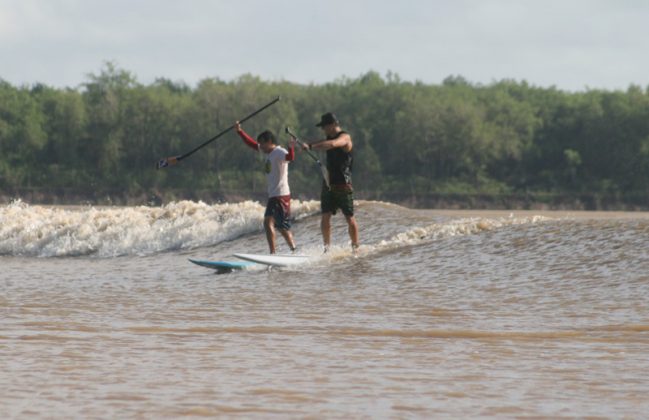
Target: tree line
x,y
409,137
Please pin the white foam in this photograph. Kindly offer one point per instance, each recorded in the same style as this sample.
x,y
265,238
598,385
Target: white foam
x,y
418,236
431,232
38,231
106,232
459,227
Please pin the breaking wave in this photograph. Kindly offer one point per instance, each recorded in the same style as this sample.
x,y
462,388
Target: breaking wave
x,y
38,231
42,231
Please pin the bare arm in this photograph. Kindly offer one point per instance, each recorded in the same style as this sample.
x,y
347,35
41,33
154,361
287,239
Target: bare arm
x,y
344,142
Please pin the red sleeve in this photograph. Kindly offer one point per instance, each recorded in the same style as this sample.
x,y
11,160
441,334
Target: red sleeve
x,y
249,141
290,156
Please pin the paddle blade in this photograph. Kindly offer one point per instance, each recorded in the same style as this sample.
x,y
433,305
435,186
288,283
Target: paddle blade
x,y
170,161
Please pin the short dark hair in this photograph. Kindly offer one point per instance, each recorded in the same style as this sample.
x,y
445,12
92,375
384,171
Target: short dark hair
x,y
266,136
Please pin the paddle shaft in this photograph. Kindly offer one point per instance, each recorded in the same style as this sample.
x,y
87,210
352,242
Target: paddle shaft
x,y
323,170
173,160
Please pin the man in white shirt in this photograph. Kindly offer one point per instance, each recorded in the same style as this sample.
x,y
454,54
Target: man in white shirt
x,y
278,208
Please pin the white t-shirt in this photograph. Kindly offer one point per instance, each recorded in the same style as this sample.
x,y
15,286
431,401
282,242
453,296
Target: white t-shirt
x,y
276,168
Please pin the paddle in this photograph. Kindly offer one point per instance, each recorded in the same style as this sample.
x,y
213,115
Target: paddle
x,y
323,169
163,163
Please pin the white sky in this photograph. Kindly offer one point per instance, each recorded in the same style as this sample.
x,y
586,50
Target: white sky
x,y
571,44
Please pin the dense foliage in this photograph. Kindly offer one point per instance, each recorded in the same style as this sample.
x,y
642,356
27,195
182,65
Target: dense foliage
x,y
409,137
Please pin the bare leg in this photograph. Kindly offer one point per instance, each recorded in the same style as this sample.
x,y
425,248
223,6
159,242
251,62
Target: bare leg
x,y
288,236
325,226
352,228
269,222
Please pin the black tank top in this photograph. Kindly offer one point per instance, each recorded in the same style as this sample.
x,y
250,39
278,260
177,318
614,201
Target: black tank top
x,y
339,164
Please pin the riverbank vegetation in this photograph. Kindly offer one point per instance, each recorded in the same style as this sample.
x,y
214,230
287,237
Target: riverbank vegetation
x,y
412,140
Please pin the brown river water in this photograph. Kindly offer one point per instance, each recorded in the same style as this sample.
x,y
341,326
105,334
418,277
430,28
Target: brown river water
x,y
442,314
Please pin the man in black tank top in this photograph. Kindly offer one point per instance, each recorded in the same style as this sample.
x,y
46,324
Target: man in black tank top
x,y
339,194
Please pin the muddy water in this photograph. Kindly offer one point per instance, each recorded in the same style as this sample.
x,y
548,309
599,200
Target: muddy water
x,y
442,314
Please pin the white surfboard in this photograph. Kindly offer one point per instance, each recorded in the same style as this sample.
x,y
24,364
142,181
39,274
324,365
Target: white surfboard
x,y
273,259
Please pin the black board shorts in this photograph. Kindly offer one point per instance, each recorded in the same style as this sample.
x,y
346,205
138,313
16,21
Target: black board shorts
x,y
338,197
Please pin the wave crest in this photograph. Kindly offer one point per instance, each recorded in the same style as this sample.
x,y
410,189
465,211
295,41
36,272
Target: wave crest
x,y
38,231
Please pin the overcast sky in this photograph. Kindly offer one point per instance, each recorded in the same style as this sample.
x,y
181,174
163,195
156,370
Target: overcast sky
x,y
571,44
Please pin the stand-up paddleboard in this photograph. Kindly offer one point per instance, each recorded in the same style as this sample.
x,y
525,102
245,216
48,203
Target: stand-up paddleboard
x,y
274,260
223,267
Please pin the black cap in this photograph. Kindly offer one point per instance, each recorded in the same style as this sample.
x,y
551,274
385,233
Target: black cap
x,y
328,118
